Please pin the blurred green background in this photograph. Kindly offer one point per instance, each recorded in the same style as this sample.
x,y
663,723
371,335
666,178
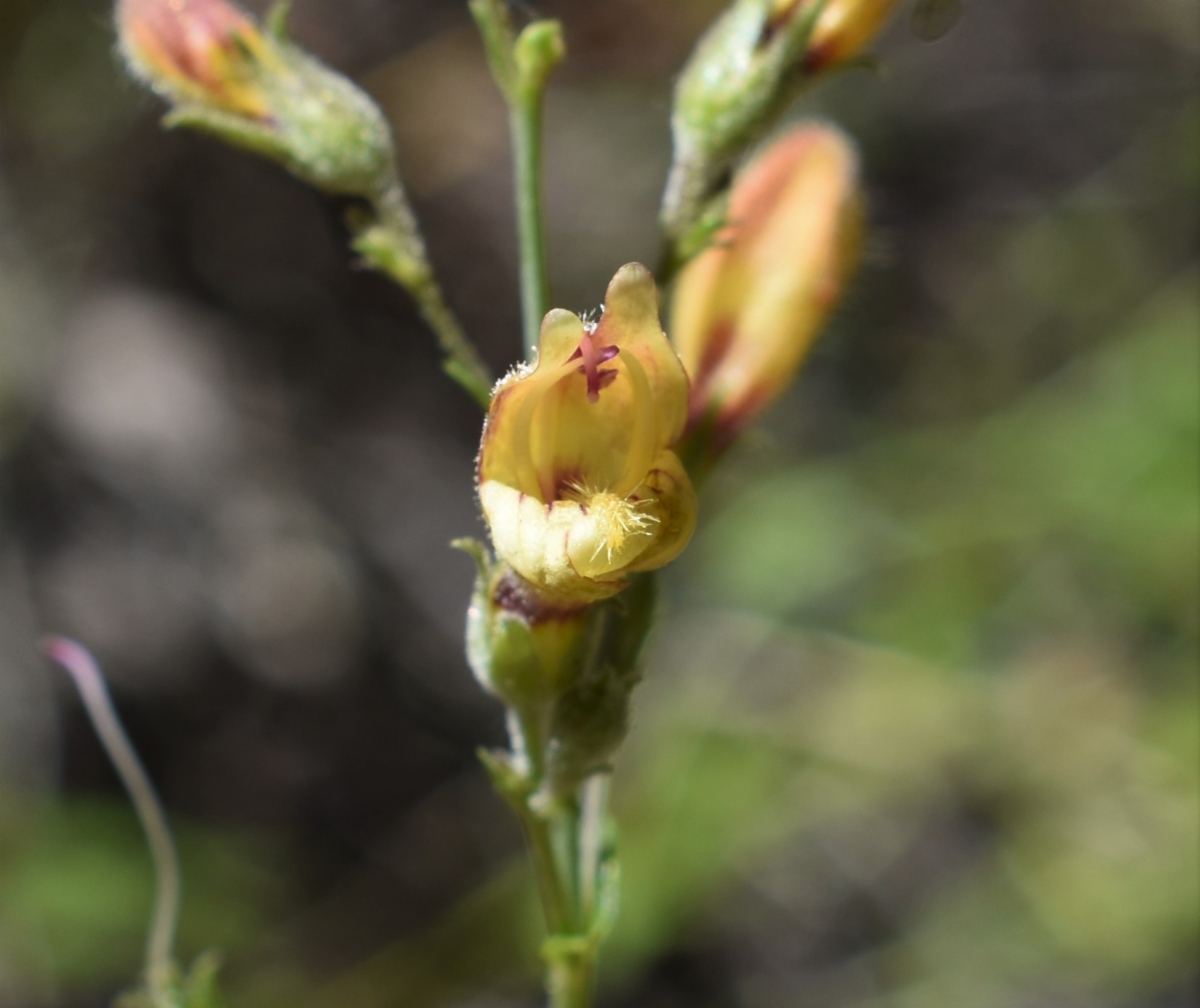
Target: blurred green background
x,y
920,726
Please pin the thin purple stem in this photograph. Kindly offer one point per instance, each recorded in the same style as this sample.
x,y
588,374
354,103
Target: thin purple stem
x,y
89,681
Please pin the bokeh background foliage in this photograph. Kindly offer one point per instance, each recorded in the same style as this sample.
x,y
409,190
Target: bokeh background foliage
x,y
920,728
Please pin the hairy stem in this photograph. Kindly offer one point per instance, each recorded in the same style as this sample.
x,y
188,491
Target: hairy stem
x,y
392,244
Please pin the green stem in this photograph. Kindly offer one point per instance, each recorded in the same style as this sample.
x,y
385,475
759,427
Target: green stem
x,y
592,813
566,830
526,122
571,950
571,978
522,64
553,889
392,244
565,851
564,848
528,737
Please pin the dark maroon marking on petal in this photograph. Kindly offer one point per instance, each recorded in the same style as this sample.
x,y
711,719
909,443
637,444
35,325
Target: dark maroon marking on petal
x,y
777,21
818,58
602,380
603,354
720,339
514,594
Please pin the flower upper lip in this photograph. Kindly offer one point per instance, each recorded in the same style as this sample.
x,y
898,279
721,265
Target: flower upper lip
x,y
570,416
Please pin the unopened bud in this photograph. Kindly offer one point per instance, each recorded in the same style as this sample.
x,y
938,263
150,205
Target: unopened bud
x,y
744,72
223,75
536,52
844,28
521,62
747,310
196,51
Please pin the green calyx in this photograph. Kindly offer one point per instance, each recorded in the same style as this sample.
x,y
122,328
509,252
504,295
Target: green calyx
x,y
566,676
320,126
741,76
520,649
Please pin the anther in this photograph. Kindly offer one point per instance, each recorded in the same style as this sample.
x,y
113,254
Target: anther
x,y
593,356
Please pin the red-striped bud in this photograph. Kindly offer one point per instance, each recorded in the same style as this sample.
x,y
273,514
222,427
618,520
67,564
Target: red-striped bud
x,y
747,310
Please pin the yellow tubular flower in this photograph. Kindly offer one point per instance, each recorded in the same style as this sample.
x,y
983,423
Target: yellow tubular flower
x,y
747,309
577,479
201,51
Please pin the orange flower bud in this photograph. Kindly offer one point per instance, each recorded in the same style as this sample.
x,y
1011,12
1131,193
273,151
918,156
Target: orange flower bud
x,y
747,309
202,51
254,88
844,29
